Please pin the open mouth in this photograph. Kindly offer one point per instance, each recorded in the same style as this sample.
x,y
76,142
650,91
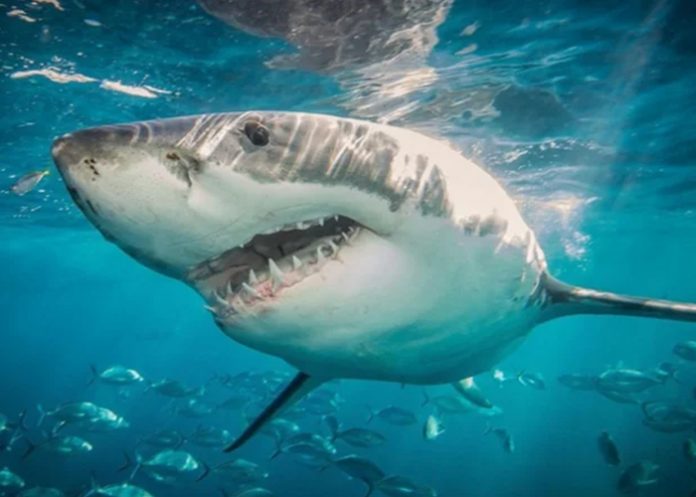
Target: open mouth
x,y
241,279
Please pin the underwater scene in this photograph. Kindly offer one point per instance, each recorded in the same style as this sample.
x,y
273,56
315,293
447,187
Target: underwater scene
x,y
347,248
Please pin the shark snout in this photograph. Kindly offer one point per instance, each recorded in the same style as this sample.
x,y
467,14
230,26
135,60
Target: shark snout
x,y
84,148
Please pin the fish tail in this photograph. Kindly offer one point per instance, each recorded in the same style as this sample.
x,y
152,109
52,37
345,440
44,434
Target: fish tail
x,y
426,398
488,428
42,415
566,300
31,447
370,416
95,374
206,471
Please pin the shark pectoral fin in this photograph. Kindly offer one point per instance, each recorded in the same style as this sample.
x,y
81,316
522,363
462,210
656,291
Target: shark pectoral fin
x,y
300,386
567,300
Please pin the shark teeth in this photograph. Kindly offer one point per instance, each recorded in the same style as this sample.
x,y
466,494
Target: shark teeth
x,y
250,291
276,274
252,277
296,263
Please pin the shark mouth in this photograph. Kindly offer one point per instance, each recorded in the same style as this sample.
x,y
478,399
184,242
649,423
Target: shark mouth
x,y
243,280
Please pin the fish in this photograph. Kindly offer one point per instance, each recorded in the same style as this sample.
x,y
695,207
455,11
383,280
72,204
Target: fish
x,y
533,380
668,418
608,449
311,447
71,412
249,492
28,182
210,436
394,415
578,381
116,375
400,486
345,199
41,492
166,466
432,428
472,393
637,475
361,469
124,489
63,445
666,370
167,439
195,408
355,437
175,389
238,471
10,482
686,350
504,436
627,381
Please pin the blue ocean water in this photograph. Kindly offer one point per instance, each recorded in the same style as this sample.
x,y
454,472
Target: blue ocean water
x,y
584,111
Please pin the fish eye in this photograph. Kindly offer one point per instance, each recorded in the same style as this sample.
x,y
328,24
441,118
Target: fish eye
x,y
256,132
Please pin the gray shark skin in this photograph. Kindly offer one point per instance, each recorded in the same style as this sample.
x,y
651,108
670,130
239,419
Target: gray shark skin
x,y
347,248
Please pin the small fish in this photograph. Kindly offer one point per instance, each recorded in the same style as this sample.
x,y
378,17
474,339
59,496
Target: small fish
x,y
638,475
167,439
578,381
627,381
471,392
165,466
533,380
400,486
689,449
195,408
238,471
70,412
668,418
41,492
28,182
249,492
10,482
394,415
432,428
116,375
209,436
116,490
360,469
504,436
63,445
356,437
686,350
447,404
175,389
500,377
608,449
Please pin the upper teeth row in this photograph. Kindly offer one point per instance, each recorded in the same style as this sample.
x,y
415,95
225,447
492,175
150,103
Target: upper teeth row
x,y
300,225
247,291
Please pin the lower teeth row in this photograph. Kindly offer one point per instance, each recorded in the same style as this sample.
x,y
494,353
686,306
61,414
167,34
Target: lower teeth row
x,y
229,300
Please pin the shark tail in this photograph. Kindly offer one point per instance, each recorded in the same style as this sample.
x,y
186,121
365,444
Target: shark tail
x,y
568,300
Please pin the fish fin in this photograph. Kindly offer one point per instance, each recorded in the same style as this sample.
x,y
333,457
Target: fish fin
x,y
371,416
370,489
426,398
206,471
567,300
31,447
42,415
300,385
489,428
95,374
332,423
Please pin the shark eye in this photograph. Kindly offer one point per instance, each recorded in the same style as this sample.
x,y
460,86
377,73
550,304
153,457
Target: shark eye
x,y
256,132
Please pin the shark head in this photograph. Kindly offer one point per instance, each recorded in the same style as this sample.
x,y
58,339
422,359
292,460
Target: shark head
x,y
310,237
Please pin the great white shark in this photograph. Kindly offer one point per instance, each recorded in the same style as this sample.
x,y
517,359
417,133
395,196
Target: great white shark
x,y
349,249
